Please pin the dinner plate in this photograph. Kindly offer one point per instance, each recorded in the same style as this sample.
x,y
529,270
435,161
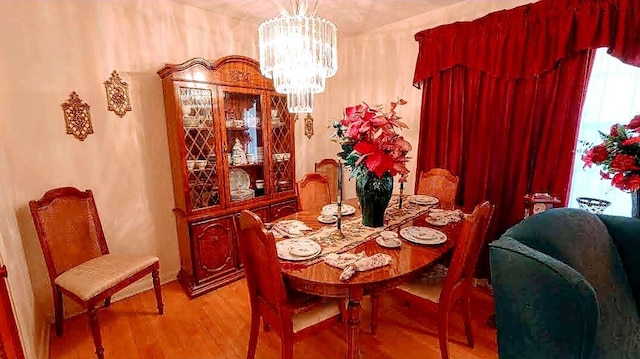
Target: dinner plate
x,y
239,179
298,249
394,243
437,238
333,209
423,200
422,232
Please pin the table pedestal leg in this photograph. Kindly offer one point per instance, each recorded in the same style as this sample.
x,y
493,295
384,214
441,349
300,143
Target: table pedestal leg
x,y
353,325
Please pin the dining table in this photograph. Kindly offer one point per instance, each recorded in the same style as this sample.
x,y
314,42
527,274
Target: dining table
x,y
408,261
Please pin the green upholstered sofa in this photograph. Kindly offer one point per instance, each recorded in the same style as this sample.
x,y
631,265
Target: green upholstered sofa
x,y
566,285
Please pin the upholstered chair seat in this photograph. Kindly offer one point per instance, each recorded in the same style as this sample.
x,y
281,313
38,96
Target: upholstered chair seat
x,y
101,273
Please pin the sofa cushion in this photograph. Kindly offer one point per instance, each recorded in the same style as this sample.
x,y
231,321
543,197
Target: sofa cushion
x,y
582,241
625,232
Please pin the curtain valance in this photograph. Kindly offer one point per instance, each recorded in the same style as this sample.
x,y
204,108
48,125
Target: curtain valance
x,y
528,40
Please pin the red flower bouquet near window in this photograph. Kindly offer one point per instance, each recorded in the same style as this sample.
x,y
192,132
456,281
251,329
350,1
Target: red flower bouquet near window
x,y
374,152
619,155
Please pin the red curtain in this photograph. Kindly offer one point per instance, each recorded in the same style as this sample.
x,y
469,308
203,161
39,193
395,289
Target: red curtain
x,y
502,96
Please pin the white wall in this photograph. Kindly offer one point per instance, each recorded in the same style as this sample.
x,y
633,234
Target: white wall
x,y
50,48
377,67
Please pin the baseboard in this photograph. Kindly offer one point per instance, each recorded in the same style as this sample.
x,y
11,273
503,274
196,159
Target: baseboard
x,y
43,344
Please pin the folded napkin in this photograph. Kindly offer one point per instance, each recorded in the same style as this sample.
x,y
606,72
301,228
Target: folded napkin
x,y
352,263
441,215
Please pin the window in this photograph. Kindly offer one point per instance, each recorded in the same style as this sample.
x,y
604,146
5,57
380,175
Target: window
x,y
613,96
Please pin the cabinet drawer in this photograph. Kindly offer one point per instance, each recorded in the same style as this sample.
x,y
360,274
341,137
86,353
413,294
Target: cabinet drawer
x,y
213,248
280,210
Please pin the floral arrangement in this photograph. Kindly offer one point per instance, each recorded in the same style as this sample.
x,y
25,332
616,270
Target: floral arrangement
x,y
370,142
619,155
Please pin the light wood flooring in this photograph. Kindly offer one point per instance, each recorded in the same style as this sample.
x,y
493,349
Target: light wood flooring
x,y
216,325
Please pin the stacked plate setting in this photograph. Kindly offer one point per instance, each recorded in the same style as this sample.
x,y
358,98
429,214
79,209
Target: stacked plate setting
x,y
240,182
332,209
298,249
260,155
423,200
423,235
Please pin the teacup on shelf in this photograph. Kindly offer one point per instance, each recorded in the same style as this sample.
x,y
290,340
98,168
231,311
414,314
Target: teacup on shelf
x,y
191,164
201,164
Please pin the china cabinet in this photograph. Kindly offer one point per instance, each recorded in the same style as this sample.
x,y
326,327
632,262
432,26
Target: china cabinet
x,y
231,145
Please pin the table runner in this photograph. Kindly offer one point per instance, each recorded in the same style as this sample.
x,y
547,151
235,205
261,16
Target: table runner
x,y
356,233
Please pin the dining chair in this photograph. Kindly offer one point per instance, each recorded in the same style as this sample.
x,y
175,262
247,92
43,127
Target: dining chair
x,y
439,183
313,191
458,282
328,167
291,314
78,259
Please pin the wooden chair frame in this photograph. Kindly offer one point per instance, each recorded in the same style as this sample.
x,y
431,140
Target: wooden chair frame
x,y
318,197
458,283
49,198
275,304
328,167
439,183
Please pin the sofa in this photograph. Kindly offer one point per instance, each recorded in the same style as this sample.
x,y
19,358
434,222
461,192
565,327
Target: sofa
x,y
566,284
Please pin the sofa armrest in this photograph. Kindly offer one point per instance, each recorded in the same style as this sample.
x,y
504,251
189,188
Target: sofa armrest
x,y
625,233
532,291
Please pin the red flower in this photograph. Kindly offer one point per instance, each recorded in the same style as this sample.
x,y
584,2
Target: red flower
x,y
614,130
634,123
632,140
633,182
595,155
622,162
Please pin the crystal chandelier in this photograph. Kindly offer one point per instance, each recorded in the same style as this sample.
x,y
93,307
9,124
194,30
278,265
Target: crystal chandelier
x,y
299,52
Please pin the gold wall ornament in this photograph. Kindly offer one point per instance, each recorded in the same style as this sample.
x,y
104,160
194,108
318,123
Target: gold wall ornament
x,y
308,126
117,95
77,117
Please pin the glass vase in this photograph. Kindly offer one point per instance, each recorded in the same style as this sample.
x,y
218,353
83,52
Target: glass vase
x,y
635,204
374,195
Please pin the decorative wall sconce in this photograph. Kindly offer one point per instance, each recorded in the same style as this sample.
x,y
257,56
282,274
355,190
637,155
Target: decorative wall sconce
x,y
77,117
308,126
117,95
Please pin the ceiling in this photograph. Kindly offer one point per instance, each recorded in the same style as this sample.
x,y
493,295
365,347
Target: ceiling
x,y
350,16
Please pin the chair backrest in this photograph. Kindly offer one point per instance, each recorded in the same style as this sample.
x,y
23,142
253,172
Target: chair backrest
x,y
328,167
465,255
68,227
439,183
313,191
260,259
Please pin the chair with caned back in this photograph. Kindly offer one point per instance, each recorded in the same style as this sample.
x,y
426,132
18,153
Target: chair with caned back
x,y
458,282
78,259
328,167
313,191
439,183
292,315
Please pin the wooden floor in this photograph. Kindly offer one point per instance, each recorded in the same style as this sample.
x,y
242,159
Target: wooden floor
x,y
216,325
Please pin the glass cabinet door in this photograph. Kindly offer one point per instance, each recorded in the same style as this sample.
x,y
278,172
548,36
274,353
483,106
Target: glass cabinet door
x,y
200,155
244,145
281,144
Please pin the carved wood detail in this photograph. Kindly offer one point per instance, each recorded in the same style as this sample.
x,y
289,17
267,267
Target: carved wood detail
x,y
240,76
77,117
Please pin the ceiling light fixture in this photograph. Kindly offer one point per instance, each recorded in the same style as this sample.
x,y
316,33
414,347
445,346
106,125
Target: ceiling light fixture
x,y
298,51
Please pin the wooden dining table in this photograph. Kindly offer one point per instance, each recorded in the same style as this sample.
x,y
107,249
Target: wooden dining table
x,y
407,262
